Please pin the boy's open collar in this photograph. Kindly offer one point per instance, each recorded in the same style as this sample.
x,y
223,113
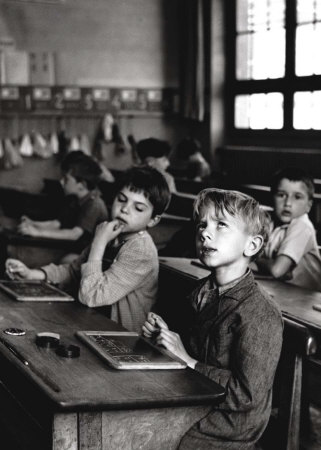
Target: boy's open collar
x,y
234,286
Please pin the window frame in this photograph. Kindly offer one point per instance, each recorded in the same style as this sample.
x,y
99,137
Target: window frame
x,y
287,86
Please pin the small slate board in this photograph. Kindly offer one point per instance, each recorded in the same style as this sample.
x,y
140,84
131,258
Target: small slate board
x,y
128,350
34,291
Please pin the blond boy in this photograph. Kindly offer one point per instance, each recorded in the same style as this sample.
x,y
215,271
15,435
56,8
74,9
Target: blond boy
x,y
236,335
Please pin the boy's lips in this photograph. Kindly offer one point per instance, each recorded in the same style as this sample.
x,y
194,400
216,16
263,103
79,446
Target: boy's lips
x,y
208,250
121,220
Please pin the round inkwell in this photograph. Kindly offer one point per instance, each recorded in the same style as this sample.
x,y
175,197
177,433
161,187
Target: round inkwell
x,y
15,331
68,351
47,340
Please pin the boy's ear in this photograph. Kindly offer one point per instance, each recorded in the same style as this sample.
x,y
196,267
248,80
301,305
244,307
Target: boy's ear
x,y
310,202
253,246
154,221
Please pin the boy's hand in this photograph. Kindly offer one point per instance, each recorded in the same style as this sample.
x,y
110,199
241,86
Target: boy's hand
x,y
17,270
153,325
156,328
104,233
108,231
27,228
25,219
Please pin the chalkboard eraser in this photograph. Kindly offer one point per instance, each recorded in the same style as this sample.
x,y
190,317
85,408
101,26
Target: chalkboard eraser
x,y
317,307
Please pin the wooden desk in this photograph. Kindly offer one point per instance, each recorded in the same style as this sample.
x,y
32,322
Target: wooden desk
x,y
84,404
295,302
178,278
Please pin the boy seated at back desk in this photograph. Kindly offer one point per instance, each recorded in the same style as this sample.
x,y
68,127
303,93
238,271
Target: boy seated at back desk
x,y
120,269
236,333
80,177
155,153
292,251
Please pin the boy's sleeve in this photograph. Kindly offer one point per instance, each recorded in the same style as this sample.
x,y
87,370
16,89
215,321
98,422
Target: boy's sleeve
x,y
254,358
126,274
66,274
295,241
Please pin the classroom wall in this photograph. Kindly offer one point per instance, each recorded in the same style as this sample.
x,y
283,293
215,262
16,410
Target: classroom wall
x,y
99,42
116,43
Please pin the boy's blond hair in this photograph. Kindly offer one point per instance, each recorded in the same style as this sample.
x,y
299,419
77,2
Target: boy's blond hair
x,y
236,204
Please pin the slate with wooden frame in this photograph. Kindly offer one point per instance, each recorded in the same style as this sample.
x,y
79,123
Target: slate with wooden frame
x,y
35,291
128,350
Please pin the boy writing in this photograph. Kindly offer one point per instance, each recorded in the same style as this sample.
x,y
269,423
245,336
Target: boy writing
x,y
292,252
129,284
80,176
236,334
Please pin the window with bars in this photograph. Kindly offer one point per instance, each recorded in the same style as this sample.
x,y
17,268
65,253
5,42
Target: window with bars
x,y
274,66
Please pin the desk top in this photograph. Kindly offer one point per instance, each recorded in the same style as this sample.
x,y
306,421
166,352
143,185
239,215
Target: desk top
x,y
295,302
87,382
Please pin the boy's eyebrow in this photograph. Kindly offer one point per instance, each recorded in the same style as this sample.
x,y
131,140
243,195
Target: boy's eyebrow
x,y
136,203
294,192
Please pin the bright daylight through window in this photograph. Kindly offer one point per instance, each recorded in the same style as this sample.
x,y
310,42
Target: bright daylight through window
x,y
277,64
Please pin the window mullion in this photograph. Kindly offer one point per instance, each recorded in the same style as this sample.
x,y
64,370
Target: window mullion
x,y
289,85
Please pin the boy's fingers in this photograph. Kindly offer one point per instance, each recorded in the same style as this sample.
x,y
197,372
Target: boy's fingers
x,y
146,332
148,328
117,225
159,322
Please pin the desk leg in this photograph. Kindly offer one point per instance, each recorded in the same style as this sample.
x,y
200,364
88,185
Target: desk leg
x,y
65,432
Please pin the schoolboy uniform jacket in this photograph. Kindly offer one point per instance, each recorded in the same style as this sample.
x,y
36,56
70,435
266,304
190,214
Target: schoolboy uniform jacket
x,y
237,337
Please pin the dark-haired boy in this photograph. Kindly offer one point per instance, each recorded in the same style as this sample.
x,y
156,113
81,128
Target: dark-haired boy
x,y
292,251
120,269
155,153
236,335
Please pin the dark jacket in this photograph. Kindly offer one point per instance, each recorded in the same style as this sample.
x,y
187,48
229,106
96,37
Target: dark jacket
x,y
237,338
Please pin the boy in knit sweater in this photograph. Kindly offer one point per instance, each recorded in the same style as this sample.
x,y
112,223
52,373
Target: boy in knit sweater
x,y
120,269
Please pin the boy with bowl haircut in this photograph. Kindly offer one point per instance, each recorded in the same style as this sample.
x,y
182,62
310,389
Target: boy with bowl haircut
x,y
292,251
120,269
236,335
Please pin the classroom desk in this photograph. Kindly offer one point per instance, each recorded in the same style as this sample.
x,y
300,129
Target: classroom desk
x,y
81,403
295,302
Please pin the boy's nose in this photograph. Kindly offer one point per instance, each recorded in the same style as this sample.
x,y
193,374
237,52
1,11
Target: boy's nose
x,y
205,235
288,201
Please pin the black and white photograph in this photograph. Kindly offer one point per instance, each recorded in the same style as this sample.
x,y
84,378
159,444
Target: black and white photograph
x,y
160,225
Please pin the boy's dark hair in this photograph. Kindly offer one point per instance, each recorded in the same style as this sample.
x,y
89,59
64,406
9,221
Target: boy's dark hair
x,y
293,174
82,167
151,182
152,147
187,147
236,204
